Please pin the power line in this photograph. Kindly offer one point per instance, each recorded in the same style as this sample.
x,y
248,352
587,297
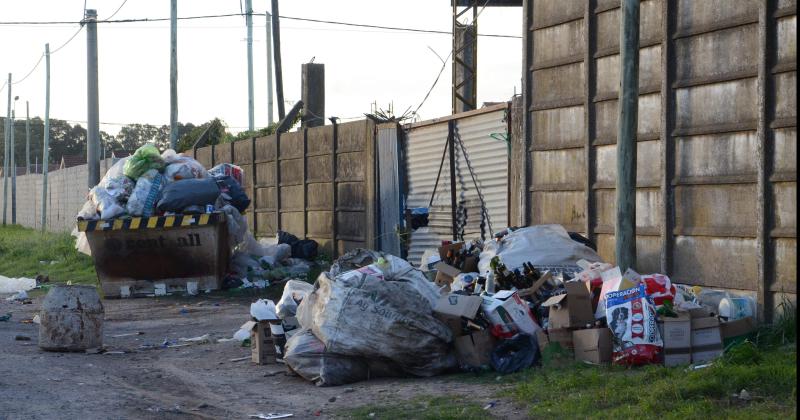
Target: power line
x,y
68,41
330,22
116,11
30,72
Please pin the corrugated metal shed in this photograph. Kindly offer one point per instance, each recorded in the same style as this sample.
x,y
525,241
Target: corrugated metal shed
x,y
483,133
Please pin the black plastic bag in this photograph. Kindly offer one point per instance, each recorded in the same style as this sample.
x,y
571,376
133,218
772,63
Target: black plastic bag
x,y
232,192
514,354
305,249
286,238
181,194
577,237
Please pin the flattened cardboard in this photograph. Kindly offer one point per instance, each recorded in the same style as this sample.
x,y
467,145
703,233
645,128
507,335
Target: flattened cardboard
x,y
737,328
593,345
444,248
676,334
474,349
458,305
454,324
572,309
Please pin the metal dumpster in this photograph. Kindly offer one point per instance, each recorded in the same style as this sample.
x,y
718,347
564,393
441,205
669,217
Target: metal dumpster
x,y
134,254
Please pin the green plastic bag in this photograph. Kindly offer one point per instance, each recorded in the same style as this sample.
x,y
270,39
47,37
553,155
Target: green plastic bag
x,y
144,159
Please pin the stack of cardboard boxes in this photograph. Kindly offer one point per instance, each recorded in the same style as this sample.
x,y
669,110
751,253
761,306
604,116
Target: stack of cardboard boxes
x,y
571,324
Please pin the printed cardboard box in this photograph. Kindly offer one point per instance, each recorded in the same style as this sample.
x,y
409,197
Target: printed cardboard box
x,y
572,309
593,345
677,336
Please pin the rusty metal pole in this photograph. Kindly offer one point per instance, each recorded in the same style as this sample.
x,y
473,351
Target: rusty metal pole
x,y
626,138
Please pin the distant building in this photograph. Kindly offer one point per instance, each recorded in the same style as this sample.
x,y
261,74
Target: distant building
x,y
68,161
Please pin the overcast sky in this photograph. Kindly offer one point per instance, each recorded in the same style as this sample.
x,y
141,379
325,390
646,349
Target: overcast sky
x,y
361,65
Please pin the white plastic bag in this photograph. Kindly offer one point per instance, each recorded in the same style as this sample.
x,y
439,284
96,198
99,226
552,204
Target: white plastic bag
x,y
105,203
181,167
88,211
539,245
14,285
144,197
293,292
263,310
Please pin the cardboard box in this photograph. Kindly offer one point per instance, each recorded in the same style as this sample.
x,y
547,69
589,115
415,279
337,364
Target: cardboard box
x,y
702,312
677,336
706,339
562,337
474,349
737,330
593,345
458,306
262,343
445,274
572,309
470,263
506,309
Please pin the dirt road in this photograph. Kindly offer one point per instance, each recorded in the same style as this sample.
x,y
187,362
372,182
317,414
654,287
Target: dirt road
x,y
196,381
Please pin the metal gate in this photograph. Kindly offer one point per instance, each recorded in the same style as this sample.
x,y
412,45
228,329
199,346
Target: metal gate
x,y
484,135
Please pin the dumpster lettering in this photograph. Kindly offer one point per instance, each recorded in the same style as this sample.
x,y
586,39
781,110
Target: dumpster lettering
x,y
188,240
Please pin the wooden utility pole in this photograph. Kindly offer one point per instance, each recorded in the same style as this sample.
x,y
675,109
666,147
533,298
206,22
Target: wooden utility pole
x,y
626,137
276,44
93,118
313,92
173,75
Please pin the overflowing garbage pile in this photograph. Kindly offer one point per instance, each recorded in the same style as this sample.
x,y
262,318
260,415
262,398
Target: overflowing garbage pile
x,y
149,183
499,305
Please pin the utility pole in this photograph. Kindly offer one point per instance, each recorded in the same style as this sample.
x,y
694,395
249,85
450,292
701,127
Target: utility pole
x,y
173,76
13,166
93,119
249,20
27,138
626,138
276,44
313,94
46,145
5,153
269,69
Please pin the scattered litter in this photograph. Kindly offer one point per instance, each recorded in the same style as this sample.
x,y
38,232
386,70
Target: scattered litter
x,y
6,317
95,350
332,399
698,367
37,319
128,334
205,338
240,359
270,416
108,353
19,296
22,338
14,285
743,395
489,405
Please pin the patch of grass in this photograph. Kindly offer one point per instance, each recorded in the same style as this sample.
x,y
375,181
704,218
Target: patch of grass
x,y
656,391
423,408
26,252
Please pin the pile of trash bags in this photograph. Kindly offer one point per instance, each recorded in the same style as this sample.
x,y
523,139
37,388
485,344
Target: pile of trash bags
x,y
149,183
504,305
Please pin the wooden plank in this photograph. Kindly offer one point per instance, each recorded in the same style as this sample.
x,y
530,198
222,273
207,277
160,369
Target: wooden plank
x,y
517,185
334,222
370,157
763,208
305,179
278,180
527,104
667,141
389,188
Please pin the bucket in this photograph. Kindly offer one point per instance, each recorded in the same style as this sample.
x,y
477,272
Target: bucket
x,y
71,319
734,308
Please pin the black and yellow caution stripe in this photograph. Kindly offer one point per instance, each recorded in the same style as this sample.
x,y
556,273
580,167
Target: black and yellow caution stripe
x,y
155,222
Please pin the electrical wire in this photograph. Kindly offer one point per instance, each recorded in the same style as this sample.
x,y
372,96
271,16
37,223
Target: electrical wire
x,y
330,22
116,11
30,72
68,41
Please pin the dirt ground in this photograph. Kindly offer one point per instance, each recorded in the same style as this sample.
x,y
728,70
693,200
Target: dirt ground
x,y
196,381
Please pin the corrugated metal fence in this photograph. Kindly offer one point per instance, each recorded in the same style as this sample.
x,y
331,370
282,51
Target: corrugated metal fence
x,y
484,134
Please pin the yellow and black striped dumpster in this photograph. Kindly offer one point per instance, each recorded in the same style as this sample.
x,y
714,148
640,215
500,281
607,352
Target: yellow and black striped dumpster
x,y
136,253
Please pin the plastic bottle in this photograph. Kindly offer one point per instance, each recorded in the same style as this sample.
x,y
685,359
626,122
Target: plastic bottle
x,y
490,283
